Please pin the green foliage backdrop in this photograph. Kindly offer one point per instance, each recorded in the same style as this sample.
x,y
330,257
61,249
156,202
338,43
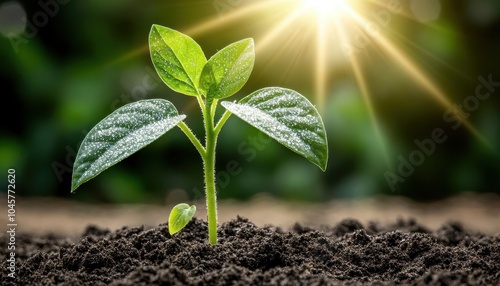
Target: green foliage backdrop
x,y
90,57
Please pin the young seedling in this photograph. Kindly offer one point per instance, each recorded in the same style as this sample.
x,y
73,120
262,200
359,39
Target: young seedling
x,y
283,114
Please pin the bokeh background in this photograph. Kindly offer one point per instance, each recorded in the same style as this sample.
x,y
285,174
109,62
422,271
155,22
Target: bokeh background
x,y
68,65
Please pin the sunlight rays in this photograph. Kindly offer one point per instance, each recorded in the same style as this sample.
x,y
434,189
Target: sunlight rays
x,y
270,36
300,43
365,93
235,15
206,26
415,72
321,70
333,23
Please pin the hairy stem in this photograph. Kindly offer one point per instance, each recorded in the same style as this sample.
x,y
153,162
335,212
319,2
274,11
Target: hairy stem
x,y
222,121
209,168
183,126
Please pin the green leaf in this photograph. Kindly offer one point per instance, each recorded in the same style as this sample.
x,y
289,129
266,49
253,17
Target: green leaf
x,y
177,58
120,134
289,118
179,217
228,70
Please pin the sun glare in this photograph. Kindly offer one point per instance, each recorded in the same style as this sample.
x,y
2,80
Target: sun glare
x,y
321,10
321,5
346,27
323,36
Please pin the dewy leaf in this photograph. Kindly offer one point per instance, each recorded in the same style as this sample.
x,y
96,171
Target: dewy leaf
x,y
289,118
120,134
179,217
177,58
228,70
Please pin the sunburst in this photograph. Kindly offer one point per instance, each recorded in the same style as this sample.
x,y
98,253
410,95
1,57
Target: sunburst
x,y
332,22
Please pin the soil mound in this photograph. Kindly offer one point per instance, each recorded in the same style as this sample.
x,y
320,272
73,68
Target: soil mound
x,y
346,254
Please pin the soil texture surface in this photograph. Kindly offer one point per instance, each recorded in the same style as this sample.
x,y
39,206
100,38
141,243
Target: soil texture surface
x,y
68,218
348,253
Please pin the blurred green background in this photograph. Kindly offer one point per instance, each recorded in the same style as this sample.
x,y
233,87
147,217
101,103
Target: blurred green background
x,y
78,61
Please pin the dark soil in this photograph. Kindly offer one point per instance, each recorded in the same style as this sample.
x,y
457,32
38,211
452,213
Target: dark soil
x,y
346,254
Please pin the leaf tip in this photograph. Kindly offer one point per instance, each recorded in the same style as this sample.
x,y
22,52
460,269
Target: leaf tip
x,y
323,167
156,26
251,44
74,186
153,28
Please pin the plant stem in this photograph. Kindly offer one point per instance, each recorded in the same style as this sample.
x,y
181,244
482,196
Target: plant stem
x,y
183,126
209,168
222,121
